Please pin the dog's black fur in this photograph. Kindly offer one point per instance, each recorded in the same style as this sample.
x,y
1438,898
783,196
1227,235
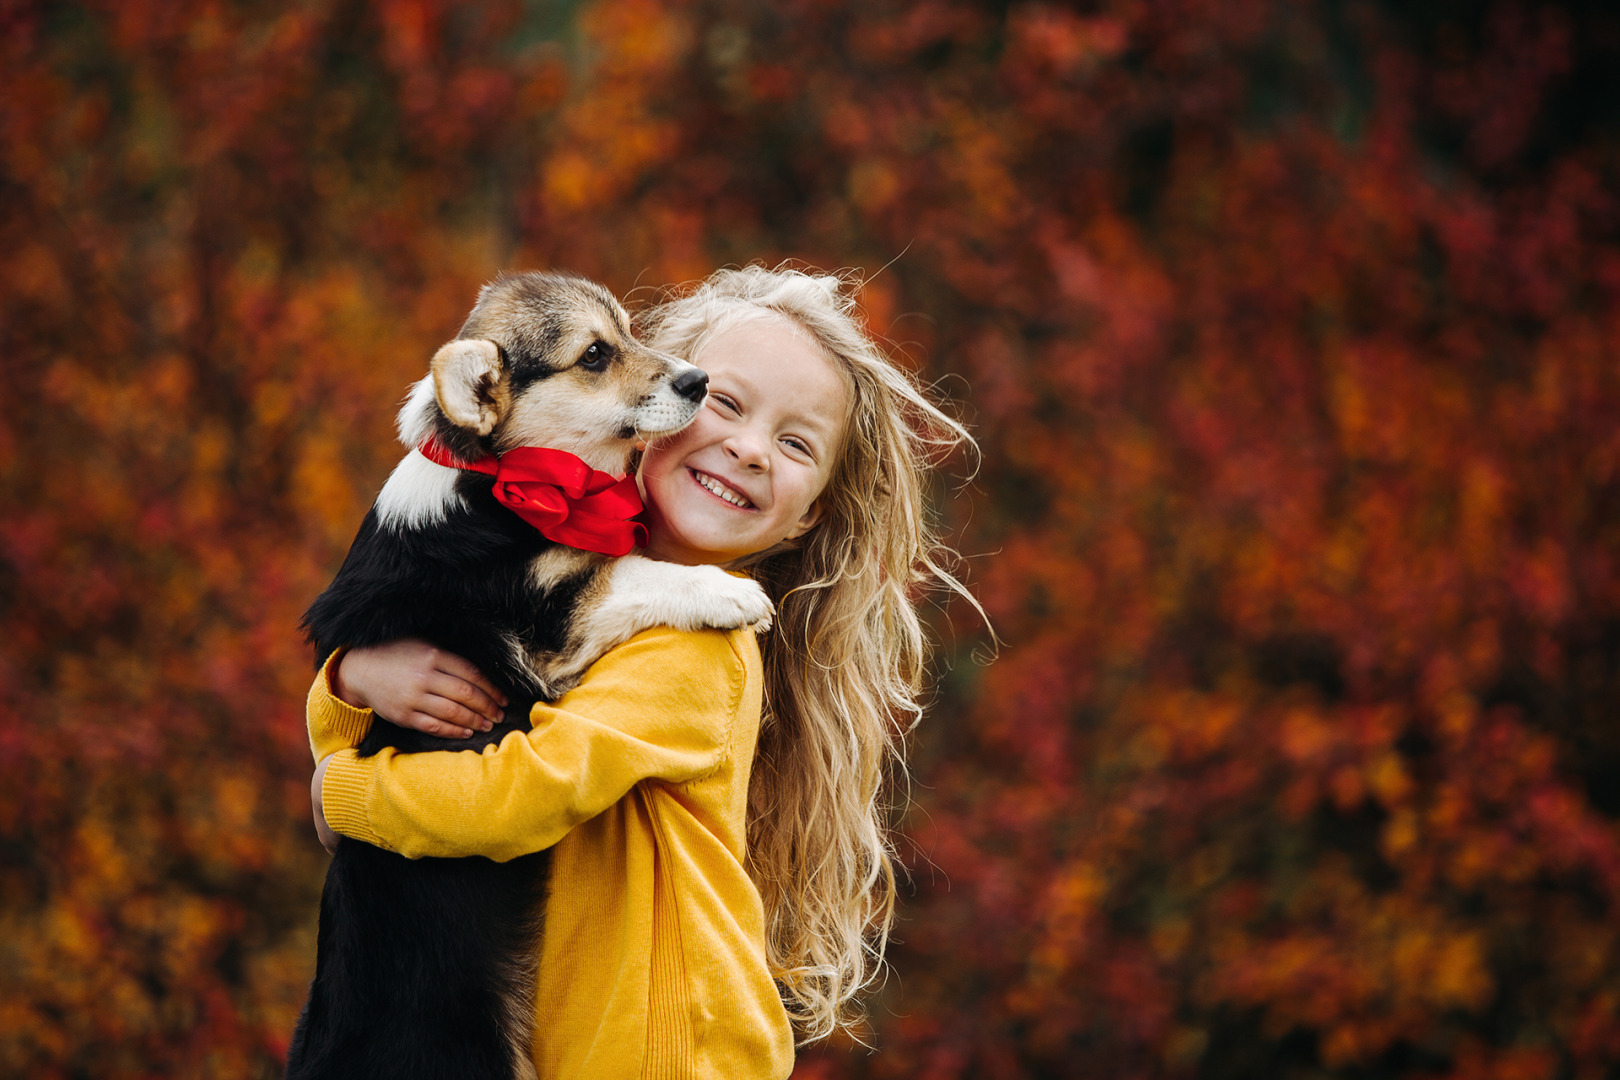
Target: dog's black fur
x,y
415,956
425,967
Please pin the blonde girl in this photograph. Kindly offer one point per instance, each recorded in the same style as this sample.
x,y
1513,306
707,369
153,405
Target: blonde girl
x,y
723,882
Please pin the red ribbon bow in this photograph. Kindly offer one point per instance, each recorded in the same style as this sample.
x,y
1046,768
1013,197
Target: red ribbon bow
x,y
557,493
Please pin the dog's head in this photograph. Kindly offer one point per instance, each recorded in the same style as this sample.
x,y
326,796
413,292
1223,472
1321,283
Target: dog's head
x,y
549,360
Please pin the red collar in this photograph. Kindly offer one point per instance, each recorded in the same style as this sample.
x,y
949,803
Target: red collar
x,y
557,493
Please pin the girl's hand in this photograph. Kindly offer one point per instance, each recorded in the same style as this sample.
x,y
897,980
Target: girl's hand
x,y
418,686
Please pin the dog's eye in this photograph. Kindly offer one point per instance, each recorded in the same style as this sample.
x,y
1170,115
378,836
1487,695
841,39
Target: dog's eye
x,y
596,357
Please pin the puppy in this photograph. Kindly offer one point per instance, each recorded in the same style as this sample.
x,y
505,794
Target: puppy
x,y
425,967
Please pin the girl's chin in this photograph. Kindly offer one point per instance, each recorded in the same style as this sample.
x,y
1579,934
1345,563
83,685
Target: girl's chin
x,y
680,551
693,534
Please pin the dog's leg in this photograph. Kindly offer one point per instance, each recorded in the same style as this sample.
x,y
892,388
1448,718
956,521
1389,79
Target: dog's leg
x,y
642,593
637,594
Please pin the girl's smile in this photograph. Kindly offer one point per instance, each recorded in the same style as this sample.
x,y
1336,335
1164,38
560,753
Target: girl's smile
x,y
746,473
709,483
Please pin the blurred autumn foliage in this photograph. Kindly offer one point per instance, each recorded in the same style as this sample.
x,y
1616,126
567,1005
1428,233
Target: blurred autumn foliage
x,y
1292,332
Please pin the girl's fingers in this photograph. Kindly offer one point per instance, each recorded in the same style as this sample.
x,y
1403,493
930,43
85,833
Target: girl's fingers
x,y
441,716
443,729
450,712
451,664
471,697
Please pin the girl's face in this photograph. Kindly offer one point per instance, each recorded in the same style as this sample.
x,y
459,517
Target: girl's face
x,y
746,473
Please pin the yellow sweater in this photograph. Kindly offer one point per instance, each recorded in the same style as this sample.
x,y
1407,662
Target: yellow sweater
x,y
652,962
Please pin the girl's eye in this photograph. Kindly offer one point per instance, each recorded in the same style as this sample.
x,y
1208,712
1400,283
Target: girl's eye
x,y
799,445
723,401
596,357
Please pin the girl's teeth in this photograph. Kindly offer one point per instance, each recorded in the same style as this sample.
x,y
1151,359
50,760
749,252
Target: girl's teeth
x,y
711,484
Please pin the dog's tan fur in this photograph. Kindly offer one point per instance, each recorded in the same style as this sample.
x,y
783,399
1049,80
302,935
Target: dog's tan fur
x,y
598,415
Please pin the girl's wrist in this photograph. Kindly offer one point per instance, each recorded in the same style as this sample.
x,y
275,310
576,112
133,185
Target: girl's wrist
x,y
341,689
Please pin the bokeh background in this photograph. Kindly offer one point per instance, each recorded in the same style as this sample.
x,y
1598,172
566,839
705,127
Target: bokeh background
x,y
1290,330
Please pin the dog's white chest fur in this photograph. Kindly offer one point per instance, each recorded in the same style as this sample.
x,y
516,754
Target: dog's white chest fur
x,y
418,493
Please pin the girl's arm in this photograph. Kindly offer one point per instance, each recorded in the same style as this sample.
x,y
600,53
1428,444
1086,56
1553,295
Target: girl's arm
x,y
661,706
432,691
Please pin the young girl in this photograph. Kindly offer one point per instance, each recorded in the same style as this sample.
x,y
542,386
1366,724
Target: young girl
x,y
721,874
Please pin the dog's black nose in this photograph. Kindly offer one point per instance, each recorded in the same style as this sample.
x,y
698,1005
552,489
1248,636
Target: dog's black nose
x,y
692,383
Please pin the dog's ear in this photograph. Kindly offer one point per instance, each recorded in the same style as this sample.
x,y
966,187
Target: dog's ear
x,y
471,384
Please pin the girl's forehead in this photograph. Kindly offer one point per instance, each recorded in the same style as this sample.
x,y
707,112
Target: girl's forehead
x,y
775,357
762,345
747,329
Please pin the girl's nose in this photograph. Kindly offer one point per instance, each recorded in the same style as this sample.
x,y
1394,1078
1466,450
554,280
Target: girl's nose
x,y
748,451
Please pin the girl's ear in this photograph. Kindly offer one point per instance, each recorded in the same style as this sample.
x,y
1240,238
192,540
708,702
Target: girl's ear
x,y
807,522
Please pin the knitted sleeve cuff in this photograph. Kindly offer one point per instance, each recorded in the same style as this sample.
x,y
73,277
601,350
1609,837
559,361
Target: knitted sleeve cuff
x,y
334,724
344,792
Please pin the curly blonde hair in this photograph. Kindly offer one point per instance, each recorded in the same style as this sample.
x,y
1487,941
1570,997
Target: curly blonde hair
x,y
844,666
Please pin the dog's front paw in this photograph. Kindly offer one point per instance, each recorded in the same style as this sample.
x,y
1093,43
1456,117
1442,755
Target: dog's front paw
x,y
731,602
645,593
